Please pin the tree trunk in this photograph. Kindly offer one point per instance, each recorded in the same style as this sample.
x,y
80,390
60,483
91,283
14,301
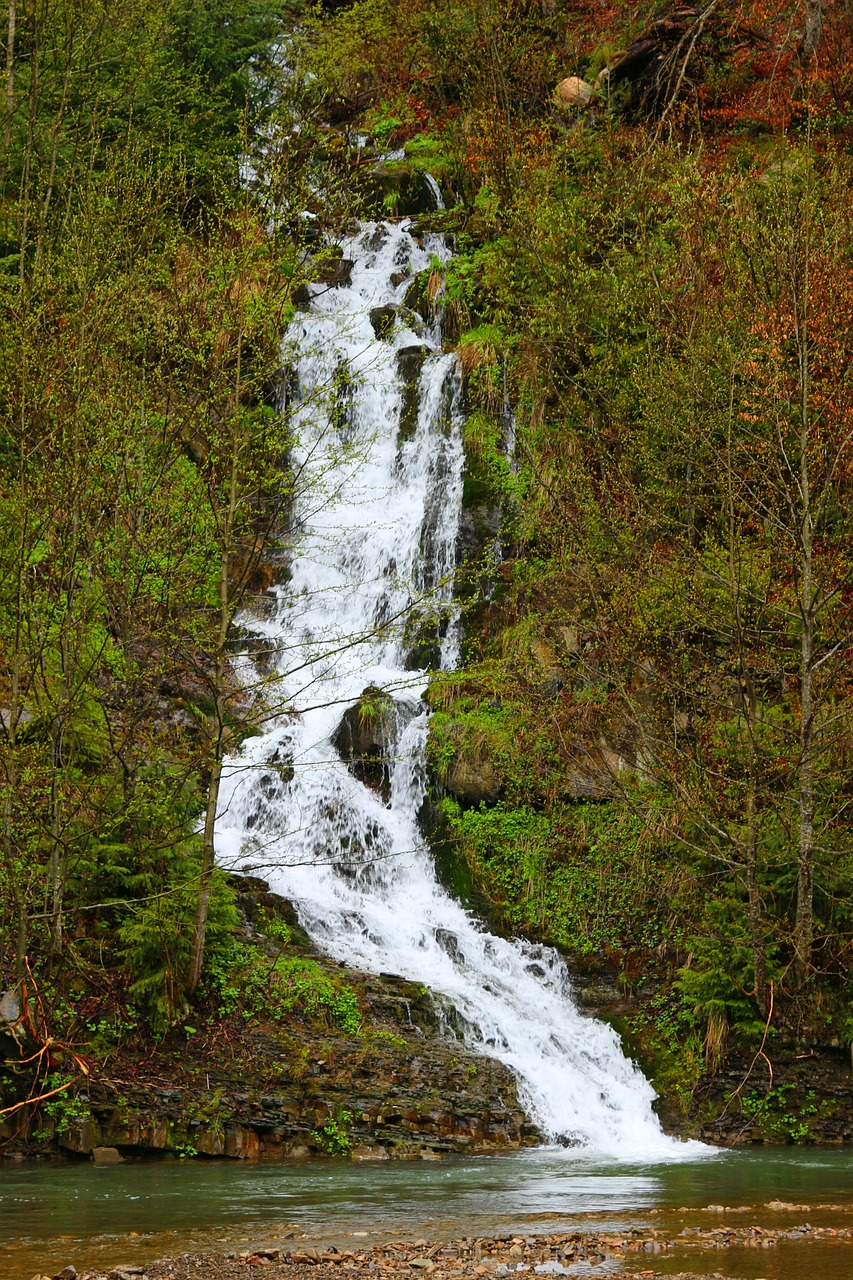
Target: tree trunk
x,y
812,30
804,932
756,924
208,857
804,928
226,605
10,75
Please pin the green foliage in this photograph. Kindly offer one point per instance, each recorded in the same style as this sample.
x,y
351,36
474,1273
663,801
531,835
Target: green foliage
x,y
274,927
582,878
718,983
155,937
333,1135
388,1037
66,1109
773,1113
242,980
671,1050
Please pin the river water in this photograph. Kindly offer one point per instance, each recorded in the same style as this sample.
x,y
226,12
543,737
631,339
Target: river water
x,y
60,1213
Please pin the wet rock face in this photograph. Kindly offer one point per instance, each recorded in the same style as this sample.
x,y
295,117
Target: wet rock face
x,y
383,320
410,363
393,187
808,1100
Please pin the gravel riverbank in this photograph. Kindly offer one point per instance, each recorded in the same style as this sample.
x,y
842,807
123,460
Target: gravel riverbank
x,y
627,1254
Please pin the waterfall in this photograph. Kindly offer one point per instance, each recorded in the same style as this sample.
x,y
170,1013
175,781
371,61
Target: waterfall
x,y
376,405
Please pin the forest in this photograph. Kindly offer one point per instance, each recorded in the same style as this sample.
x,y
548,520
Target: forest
x,y
644,756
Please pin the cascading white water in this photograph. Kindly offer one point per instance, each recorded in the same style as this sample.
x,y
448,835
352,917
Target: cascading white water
x,y
378,519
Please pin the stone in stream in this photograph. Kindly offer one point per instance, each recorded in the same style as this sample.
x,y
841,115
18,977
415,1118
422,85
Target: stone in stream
x,y
382,321
107,1155
368,733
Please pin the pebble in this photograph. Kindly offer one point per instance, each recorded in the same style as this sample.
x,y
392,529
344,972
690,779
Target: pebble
x,y
465,1259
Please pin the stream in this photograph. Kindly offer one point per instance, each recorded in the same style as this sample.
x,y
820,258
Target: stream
x,y
103,1216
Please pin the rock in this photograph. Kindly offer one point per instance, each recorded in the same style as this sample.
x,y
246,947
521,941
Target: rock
x,y
574,92
107,1155
369,1153
393,187
368,733
335,273
81,1136
382,321
10,1006
410,362
550,675
24,718
10,1021
67,1273
471,776
416,297
570,640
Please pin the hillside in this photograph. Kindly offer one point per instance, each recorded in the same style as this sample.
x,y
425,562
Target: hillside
x,y
643,757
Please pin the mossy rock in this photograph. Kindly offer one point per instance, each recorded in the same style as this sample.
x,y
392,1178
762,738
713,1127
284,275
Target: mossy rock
x,y
393,189
368,734
410,363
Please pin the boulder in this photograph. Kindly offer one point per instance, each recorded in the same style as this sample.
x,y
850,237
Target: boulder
x,y
473,781
368,734
10,1006
416,298
471,776
10,1014
574,92
107,1155
334,273
547,670
382,320
410,362
81,1136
